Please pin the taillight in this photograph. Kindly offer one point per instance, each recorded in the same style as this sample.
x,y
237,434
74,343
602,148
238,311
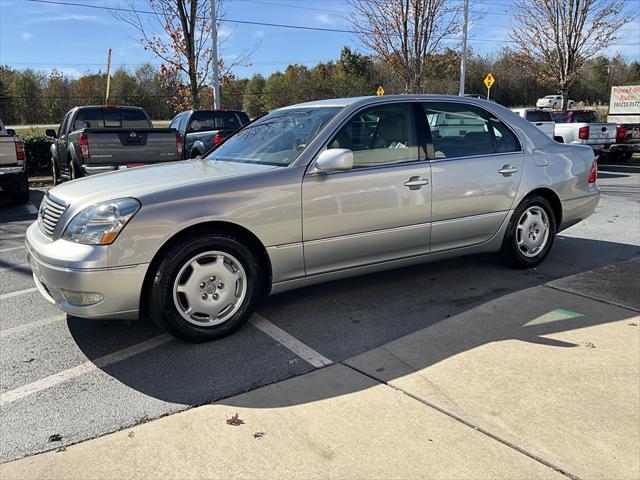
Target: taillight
x,y
20,155
621,133
593,174
583,133
178,145
217,140
84,146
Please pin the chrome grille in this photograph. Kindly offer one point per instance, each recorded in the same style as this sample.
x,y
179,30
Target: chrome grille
x,y
50,212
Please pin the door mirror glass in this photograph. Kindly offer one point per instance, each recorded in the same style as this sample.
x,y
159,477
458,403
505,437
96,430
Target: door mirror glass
x,y
335,160
11,132
50,133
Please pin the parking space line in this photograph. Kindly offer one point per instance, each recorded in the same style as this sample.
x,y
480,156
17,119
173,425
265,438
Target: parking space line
x,y
11,249
302,350
4,296
87,367
7,237
31,325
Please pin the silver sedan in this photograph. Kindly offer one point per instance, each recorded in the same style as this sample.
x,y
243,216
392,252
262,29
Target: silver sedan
x,y
309,193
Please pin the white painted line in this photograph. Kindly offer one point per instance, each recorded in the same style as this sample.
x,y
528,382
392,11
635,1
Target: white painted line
x,y
7,237
302,350
30,326
11,249
87,367
4,296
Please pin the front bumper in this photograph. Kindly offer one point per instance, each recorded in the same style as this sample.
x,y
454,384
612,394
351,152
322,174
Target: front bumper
x,y
120,286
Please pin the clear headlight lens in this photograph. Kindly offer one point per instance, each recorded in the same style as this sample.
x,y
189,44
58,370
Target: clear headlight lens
x,y
100,224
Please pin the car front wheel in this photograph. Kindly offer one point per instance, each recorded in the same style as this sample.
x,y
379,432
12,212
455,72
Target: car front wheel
x,y
205,288
530,233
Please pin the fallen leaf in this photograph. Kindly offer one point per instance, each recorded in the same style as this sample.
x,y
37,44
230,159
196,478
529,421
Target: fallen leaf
x,y
293,362
56,437
258,435
234,420
381,369
131,434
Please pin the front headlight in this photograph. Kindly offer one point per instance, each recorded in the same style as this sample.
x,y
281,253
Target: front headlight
x,y
100,224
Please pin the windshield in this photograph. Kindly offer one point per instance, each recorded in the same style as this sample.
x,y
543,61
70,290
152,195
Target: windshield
x,y
277,139
576,116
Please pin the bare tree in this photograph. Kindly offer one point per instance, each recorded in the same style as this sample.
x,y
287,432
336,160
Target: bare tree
x,y
178,32
405,32
556,37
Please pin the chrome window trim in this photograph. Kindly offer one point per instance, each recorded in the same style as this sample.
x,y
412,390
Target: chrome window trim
x,y
438,160
311,173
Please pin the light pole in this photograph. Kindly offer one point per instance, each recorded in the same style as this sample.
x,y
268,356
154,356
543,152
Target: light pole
x,y
463,63
214,55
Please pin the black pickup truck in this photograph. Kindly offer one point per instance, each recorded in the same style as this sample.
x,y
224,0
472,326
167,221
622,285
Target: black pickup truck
x,y
201,130
97,139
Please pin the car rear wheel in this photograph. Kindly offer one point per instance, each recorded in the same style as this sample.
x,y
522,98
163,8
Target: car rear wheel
x,y
20,191
205,287
530,233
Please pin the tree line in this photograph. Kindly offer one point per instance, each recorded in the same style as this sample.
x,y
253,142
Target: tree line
x,y
33,97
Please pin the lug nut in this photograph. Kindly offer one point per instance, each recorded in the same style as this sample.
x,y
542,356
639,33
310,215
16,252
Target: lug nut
x,y
202,285
215,296
204,296
221,285
212,279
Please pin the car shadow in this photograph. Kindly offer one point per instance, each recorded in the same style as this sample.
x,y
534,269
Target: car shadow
x,y
346,318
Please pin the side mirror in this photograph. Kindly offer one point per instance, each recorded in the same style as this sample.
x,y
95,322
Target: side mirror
x,y
50,133
11,132
334,160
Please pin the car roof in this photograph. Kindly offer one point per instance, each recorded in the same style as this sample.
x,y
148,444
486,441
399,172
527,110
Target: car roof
x,y
344,102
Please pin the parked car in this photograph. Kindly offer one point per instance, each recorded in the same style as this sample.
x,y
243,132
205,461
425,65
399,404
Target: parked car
x,y
13,166
307,194
624,111
98,139
201,130
553,101
583,127
539,117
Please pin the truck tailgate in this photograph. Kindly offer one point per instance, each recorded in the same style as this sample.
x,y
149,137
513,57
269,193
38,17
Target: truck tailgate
x,y
602,132
125,146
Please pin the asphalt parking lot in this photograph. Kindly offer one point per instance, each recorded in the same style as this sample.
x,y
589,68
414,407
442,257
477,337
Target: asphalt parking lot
x,y
64,379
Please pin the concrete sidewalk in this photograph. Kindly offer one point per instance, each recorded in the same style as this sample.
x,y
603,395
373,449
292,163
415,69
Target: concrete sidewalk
x,y
542,383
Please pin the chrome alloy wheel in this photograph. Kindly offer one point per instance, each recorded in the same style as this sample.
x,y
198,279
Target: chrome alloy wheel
x,y
210,288
532,233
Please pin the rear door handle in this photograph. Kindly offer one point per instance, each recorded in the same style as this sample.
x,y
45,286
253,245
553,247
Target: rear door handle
x,y
415,183
507,170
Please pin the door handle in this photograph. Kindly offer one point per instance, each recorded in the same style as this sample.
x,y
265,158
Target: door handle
x,y
415,183
507,170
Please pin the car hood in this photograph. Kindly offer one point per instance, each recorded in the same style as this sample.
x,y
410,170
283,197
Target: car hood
x,y
140,181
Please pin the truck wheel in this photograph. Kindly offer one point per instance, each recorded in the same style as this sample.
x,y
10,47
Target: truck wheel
x,y
75,171
530,233
205,287
20,192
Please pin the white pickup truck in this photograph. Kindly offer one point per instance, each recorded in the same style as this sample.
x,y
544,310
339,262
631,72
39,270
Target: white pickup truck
x,y
13,166
583,127
624,111
539,117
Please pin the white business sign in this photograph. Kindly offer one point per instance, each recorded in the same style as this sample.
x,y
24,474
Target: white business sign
x,y
625,100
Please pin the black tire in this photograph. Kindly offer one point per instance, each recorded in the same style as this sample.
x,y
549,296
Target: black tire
x,y
162,307
513,253
20,192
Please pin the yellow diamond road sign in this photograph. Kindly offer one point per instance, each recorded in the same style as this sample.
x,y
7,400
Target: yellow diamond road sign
x,y
380,91
488,81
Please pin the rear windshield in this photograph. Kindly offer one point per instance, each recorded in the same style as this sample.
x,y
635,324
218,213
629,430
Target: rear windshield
x,y
111,118
576,116
205,121
538,116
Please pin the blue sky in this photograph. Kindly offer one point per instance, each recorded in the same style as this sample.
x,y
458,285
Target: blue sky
x,y
75,39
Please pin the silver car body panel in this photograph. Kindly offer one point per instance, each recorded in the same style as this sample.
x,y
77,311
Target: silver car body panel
x,y
314,227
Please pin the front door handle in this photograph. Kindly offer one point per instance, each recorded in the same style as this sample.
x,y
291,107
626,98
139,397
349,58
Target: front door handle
x,y
507,170
415,183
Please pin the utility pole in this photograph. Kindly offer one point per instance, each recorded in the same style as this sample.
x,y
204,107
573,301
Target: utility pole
x,y
214,55
463,63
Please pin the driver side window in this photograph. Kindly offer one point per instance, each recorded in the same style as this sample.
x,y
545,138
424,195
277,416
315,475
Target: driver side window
x,y
381,135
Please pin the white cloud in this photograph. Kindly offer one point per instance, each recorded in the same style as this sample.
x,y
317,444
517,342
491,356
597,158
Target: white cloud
x,y
258,34
66,18
323,18
224,33
26,35
70,72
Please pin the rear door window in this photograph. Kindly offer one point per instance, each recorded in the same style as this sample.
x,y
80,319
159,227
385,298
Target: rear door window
x,y
206,121
538,116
